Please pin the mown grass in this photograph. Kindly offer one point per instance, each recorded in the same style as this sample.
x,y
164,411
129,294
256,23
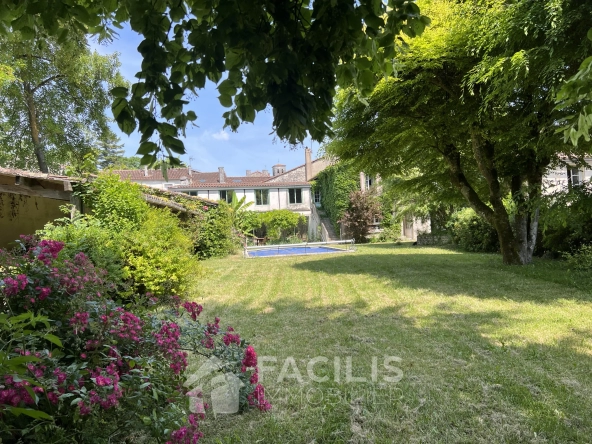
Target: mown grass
x,y
488,353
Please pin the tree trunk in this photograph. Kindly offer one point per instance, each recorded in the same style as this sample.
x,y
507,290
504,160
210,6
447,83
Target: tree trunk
x,y
497,217
34,128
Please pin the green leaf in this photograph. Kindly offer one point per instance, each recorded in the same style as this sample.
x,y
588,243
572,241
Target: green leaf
x,y
119,91
36,414
53,339
225,100
147,148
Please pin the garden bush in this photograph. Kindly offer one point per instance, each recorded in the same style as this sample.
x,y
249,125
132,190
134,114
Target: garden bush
x,y
144,249
85,233
78,367
212,233
281,224
581,259
158,256
472,233
566,220
117,204
363,208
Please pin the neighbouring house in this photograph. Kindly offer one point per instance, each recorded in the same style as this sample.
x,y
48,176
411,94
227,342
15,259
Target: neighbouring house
x,y
282,189
410,226
566,176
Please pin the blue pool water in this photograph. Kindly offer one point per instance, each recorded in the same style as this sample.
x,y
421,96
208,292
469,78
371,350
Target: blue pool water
x,y
290,251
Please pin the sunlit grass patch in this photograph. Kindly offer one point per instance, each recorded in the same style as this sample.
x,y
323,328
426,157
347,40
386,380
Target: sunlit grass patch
x,y
488,353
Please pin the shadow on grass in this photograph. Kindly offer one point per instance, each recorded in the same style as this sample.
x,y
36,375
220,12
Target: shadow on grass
x,y
454,272
458,385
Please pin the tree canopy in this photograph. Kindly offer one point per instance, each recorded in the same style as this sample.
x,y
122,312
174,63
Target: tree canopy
x,y
474,106
53,109
290,54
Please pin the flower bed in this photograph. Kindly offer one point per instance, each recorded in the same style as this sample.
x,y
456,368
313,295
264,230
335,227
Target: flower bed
x,y
76,358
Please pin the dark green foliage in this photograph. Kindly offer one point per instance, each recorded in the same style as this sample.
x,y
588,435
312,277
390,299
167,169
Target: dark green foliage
x,y
104,247
290,55
281,224
473,233
144,248
581,259
361,211
336,184
212,232
111,153
54,111
117,204
567,220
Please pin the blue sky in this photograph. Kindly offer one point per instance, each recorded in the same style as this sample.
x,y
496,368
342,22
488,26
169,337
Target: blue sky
x,y
252,147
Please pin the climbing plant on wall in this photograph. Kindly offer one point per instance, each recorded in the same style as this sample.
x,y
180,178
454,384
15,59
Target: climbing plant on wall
x,y
335,184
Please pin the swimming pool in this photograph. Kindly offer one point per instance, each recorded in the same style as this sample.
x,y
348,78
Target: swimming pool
x,y
300,249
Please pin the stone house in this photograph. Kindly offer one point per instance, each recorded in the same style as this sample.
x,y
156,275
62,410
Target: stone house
x,y
282,189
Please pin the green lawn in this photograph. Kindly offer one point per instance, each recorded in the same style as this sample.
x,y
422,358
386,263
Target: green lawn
x,y
488,353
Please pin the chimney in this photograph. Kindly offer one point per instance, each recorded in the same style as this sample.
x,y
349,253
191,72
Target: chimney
x,y
221,175
145,170
278,169
264,173
308,163
189,171
248,173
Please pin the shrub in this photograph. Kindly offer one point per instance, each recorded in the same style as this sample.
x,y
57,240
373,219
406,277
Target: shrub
x,y
158,256
280,224
212,233
363,208
392,233
103,246
78,367
472,233
580,259
117,204
144,250
566,220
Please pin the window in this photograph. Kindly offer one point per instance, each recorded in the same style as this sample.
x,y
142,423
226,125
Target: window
x,y
369,182
317,196
226,195
295,195
193,193
574,177
261,197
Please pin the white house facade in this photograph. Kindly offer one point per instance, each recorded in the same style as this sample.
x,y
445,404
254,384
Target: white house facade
x,y
283,189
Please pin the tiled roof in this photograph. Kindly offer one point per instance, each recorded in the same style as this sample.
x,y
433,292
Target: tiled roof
x,y
234,185
173,173
34,175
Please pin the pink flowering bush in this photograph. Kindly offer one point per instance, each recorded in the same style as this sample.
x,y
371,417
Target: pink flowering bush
x,y
80,367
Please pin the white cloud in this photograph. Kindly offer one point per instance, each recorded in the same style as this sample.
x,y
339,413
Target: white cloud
x,y
221,135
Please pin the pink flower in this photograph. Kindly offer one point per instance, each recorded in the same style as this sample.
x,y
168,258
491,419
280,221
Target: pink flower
x,y
250,359
193,308
79,321
230,338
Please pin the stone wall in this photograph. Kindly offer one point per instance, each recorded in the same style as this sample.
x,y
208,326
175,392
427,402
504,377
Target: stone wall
x,y
20,214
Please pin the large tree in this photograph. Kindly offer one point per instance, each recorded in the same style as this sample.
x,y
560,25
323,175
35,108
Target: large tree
x,y
54,110
474,104
289,54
